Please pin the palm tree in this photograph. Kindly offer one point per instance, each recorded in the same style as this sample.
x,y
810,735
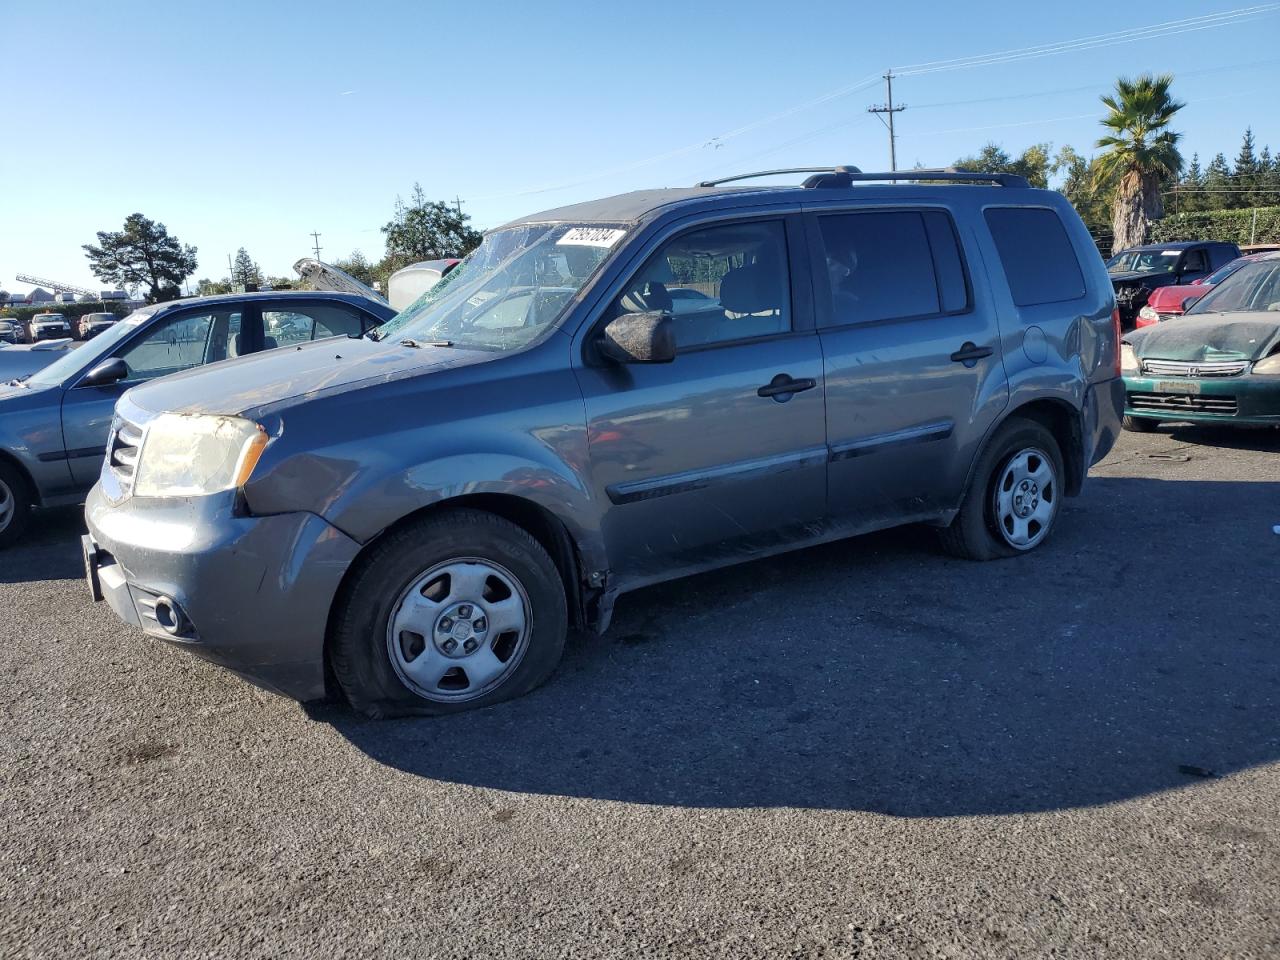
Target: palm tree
x,y
1141,153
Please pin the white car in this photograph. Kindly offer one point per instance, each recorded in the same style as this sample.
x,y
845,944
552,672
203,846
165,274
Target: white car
x,y
49,326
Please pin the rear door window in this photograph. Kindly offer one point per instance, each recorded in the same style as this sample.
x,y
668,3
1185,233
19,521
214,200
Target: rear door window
x,y
889,265
1039,261
290,324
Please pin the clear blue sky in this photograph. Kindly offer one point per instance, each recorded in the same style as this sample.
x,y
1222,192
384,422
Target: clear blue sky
x,y
253,123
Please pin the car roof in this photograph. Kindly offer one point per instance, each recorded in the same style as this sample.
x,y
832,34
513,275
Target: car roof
x,y
266,296
639,204
1179,245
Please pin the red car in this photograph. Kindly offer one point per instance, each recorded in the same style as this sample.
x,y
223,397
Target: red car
x,y
1165,303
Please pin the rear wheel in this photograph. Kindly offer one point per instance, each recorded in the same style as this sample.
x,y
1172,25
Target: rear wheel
x,y
1013,497
15,504
1139,424
455,611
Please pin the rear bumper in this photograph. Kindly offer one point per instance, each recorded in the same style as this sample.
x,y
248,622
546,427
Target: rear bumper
x,y
252,593
1103,409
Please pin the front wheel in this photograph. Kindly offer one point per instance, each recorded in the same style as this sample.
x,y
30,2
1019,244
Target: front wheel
x,y
15,504
455,611
1013,497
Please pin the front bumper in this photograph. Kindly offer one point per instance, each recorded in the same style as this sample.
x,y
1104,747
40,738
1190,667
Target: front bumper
x,y
1245,399
253,592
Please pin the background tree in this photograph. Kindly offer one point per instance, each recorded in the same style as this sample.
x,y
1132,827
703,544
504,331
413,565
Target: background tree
x,y
142,254
1141,153
358,266
244,271
1080,186
208,288
426,230
1034,163
1217,184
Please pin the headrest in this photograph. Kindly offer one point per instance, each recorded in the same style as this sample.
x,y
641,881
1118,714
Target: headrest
x,y
754,288
645,297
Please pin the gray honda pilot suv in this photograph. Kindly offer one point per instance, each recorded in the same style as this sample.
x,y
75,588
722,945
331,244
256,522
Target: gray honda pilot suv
x,y
606,396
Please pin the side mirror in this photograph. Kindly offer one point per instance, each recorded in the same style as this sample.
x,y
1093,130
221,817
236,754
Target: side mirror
x,y
640,338
107,372
1187,302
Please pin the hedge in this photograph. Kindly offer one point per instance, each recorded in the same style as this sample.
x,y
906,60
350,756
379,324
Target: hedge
x,y
1234,226
68,310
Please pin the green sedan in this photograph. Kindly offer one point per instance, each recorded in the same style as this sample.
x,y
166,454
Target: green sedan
x,y
1217,363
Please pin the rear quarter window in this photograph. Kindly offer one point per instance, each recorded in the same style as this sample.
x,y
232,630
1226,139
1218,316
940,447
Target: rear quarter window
x,y
1039,261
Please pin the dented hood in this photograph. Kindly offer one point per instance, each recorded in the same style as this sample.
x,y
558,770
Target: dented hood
x,y
277,378
1209,336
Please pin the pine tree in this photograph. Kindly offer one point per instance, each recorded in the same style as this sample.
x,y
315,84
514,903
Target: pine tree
x,y
1246,162
1268,191
244,271
1189,196
1217,183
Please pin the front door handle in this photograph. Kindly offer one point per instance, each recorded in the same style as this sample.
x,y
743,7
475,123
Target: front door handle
x,y
970,353
782,387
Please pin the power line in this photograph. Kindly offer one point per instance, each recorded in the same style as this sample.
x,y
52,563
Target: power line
x,y
1130,35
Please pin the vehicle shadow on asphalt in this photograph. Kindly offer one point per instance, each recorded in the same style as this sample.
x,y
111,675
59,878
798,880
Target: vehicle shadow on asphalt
x,y
1134,653
1232,438
49,548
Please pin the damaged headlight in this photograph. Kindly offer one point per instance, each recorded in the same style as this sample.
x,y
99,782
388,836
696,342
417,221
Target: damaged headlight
x,y
193,456
1268,366
1128,359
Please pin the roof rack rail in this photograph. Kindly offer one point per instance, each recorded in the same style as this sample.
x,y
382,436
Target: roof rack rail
x,y
845,176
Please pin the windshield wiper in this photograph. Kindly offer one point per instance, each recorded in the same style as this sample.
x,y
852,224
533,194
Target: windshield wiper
x,y
410,342
18,381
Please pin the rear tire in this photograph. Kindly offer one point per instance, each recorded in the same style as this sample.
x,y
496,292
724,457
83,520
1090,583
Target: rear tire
x,y
1014,495
1139,424
15,504
452,612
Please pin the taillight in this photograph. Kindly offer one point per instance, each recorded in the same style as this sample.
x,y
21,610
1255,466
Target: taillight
x,y
1115,326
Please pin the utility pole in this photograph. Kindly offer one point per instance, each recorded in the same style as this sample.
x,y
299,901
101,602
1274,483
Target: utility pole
x,y
890,109
231,272
457,205
316,236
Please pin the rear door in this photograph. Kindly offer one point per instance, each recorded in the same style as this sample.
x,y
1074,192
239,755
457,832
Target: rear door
x,y
720,453
912,360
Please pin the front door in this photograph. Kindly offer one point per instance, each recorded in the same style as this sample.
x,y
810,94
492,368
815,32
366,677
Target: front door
x,y
720,453
913,368
175,342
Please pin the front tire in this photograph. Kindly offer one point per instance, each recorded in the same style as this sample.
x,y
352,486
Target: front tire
x,y
1139,424
15,504
1013,497
454,611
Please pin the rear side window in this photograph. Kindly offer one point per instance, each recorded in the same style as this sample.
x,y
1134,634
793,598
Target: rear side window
x,y
1039,261
892,265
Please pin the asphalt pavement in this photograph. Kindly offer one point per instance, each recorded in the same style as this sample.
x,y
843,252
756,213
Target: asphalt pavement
x,y
866,749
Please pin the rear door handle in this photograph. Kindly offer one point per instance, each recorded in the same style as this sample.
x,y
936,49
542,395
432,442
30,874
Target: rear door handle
x,y
783,386
970,353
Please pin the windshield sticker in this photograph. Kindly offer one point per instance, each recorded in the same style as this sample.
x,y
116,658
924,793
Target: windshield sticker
x,y
1169,253
591,237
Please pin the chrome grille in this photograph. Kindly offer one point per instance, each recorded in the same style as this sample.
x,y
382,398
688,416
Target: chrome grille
x,y
1200,368
1175,403
122,451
